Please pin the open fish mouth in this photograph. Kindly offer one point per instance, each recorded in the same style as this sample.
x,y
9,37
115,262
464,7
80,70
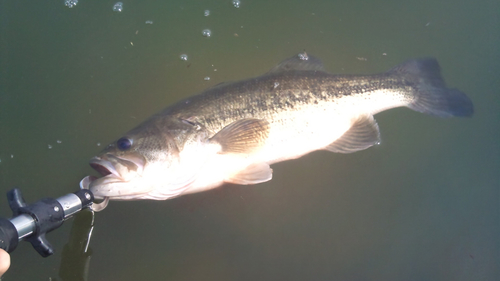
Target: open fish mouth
x,y
116,166
116,175
103,167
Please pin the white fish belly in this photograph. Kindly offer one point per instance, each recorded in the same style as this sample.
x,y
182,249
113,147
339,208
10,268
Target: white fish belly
x,y
303,132
295,133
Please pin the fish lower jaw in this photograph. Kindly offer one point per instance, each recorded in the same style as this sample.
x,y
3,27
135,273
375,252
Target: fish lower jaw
x,y
139,189
115,187
118,193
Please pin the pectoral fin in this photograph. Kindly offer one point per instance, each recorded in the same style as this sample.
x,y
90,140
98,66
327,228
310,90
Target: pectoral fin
x,y
363,134
253,174
242,136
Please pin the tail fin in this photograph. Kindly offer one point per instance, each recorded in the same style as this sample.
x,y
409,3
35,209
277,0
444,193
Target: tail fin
x,y
432,96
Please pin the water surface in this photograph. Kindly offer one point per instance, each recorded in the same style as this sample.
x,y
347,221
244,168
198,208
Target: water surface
x,y
424,205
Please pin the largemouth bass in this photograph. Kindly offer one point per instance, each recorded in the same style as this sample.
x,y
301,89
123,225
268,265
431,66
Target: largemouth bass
x,y
232,132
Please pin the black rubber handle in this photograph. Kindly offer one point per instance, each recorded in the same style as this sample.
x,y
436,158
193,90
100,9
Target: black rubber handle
x,y
8,235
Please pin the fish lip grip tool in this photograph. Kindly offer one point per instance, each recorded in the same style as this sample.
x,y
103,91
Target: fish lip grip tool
x,y
32,222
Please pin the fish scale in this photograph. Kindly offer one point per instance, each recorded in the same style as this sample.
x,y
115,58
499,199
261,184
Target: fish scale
x,y
255,98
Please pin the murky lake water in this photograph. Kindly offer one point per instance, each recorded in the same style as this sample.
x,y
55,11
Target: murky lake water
x,y
424,205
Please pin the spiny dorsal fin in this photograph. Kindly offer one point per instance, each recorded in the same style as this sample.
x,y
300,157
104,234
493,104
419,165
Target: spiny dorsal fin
x,y
301,61
242,136
363,134
253,174
221,84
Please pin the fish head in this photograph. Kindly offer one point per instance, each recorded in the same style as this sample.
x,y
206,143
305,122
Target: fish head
x,y
158,159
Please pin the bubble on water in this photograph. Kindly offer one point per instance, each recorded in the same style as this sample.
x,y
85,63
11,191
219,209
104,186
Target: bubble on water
x,y
70,3
12,156
58,141
206,13
303,56
118,7
236,3
98,144
183,57
206,32
149,22
50,146
206,78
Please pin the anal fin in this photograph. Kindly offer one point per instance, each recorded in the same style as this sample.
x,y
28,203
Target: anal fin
x,y
253,174
363,133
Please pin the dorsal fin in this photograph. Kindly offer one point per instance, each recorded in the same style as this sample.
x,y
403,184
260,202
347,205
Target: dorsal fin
x,y
301,61
218,85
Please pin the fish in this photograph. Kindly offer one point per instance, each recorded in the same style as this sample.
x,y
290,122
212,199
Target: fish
x,y
232,132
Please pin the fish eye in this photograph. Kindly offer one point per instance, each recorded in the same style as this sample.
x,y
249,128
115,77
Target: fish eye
x,y
124,144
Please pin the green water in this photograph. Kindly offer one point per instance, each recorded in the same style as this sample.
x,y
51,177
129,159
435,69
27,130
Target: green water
x,y
424,205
